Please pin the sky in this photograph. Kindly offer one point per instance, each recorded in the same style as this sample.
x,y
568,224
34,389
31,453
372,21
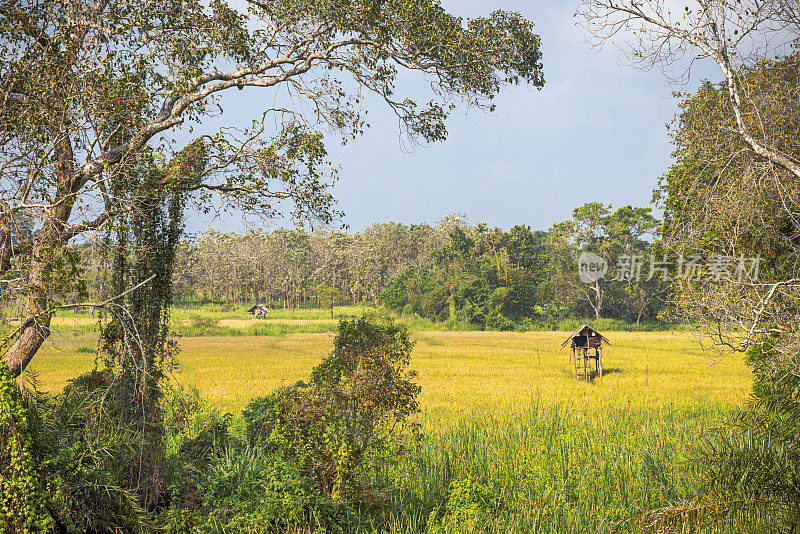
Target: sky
x,y
595,132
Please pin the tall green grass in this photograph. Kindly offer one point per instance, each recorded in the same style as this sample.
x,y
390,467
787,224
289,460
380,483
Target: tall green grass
x,y
262,329
551,469
203,321
413,322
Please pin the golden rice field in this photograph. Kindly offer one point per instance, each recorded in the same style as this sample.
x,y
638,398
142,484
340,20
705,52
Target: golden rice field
x,y
460,372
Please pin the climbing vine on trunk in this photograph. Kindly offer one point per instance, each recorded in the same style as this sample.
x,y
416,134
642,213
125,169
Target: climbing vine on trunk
x,y
136,342
22,498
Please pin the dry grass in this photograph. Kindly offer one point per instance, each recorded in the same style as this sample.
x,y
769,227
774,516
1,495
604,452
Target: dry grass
x,y
244,323
231,371
459,372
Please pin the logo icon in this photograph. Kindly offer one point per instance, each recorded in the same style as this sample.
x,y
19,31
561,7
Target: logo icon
x,y
591,267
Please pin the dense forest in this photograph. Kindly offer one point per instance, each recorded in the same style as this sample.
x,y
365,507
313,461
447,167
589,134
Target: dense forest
x,y
452,270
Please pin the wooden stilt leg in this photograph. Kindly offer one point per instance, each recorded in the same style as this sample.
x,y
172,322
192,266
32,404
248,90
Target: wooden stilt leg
x,y
576,361
586,364
600,365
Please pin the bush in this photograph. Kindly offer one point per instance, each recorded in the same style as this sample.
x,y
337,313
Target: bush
x,y
334,428
222,484
84,453
253,489
470,507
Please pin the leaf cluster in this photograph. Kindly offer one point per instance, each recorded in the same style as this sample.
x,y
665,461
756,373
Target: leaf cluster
x,y
334,428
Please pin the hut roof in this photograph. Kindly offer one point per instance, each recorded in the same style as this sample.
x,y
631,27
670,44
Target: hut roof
x,y
584,330
258,307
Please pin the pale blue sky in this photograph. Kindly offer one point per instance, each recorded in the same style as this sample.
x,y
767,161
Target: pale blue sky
x,y
595,132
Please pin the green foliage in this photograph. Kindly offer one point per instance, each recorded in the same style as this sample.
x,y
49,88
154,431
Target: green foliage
x,y
185,414
84,448
222,484
334,428
447,273
722,198
254,489
521,279
718,187
474,280
22,492
327,296
470,506
136,343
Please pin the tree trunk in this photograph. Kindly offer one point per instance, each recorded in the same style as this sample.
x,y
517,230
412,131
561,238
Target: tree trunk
x,y
598,293
36,326
6,243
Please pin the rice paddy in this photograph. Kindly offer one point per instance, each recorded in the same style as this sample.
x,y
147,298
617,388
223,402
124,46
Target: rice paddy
x,y
460,372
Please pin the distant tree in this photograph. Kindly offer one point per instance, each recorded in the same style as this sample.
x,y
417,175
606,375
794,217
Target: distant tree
x,y
470,278
327,296
526,247
611,235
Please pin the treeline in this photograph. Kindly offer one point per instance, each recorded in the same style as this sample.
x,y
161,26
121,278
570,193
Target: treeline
x,y
285,268
447,271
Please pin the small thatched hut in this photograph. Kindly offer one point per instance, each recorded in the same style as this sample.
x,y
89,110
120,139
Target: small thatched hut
x,y
581,342
258,310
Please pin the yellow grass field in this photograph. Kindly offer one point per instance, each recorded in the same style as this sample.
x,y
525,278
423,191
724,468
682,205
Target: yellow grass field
x,y
244,323
460,372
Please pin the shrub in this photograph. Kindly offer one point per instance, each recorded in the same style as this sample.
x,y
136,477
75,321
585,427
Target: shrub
x,y
253,489
185,415
334,428
222,484
84,452
470,507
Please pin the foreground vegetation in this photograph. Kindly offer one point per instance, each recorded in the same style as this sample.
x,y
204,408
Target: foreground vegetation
x,y
569,468
540,468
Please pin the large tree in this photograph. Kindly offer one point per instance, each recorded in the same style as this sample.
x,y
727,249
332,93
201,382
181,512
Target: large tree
x,y
87,87
734,34
619,238
724,201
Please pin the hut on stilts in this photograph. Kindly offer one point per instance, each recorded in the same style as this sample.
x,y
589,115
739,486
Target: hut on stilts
x,y
587,344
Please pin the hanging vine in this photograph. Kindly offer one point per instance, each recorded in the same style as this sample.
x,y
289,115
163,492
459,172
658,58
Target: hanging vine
x,y
136,342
